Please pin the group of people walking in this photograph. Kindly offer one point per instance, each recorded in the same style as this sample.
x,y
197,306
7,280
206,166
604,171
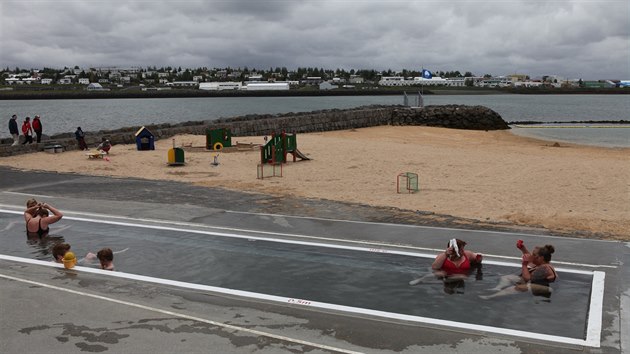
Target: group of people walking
x,y
35,126
28,129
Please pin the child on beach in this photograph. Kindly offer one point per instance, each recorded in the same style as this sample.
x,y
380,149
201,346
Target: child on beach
x,y
104,146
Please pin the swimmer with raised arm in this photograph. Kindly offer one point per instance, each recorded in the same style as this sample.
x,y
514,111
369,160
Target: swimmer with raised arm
x,y
38,219
455,260
537,273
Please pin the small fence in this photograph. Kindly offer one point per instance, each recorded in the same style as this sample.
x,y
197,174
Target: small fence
x,y
268,170
407,181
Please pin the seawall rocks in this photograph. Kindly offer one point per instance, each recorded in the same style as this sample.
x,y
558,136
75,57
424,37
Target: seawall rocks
x,y
451,116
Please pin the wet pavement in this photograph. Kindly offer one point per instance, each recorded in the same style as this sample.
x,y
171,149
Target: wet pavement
x,y
46,309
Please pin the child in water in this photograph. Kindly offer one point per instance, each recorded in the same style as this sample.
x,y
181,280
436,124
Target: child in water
x,y
105,257
59,251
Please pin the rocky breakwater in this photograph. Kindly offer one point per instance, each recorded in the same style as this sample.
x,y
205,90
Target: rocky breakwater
x,y
450,116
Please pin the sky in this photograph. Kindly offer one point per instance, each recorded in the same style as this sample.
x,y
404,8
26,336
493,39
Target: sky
x,y
588,39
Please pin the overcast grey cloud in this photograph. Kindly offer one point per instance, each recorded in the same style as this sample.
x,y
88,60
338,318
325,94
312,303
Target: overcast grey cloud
x,y
570,38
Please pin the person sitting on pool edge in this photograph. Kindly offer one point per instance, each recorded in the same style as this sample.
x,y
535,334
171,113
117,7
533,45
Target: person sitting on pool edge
x,y
537,273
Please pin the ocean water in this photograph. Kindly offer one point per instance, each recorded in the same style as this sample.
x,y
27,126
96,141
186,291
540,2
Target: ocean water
x,y
60,116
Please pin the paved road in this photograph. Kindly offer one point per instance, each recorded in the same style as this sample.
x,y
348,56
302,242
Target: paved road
x,y
50,310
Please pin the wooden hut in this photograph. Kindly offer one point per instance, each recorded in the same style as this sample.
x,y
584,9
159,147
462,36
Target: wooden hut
x,y
145,140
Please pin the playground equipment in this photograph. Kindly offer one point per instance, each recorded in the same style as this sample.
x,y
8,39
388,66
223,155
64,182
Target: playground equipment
x,y
175,156
268,170
145,140
409,182
215,161
96,154
276,149
217,139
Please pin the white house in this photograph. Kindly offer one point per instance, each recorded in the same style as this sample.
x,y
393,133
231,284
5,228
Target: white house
x,y
260,86
393,81
356,79
312,80
456,81
46,81
84,81
30,80
435,80
327,86
95,87
528,84
218,86
182,83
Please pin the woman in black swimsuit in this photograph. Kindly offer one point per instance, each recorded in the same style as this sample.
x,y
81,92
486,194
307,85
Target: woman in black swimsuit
x,y
37,219
537,274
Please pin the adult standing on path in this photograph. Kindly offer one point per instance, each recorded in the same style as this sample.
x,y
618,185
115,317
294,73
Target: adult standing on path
x,y
27,131
80,136
13,129
37,128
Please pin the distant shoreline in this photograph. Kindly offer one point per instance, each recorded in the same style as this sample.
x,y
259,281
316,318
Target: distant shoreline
x,y
47,94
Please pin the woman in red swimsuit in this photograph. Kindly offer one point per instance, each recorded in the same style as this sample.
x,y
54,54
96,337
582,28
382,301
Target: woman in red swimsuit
x,y
454,265
455,260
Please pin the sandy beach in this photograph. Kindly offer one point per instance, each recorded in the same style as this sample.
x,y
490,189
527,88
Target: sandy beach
x,y
490,176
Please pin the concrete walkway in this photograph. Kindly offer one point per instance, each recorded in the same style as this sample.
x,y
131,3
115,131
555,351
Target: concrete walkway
x,y
51,310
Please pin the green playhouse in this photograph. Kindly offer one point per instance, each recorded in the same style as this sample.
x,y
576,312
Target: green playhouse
x,y
276,149
217,139
176,156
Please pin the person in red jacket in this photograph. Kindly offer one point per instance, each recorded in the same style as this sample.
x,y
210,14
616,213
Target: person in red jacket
x,y
37,128
27,130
